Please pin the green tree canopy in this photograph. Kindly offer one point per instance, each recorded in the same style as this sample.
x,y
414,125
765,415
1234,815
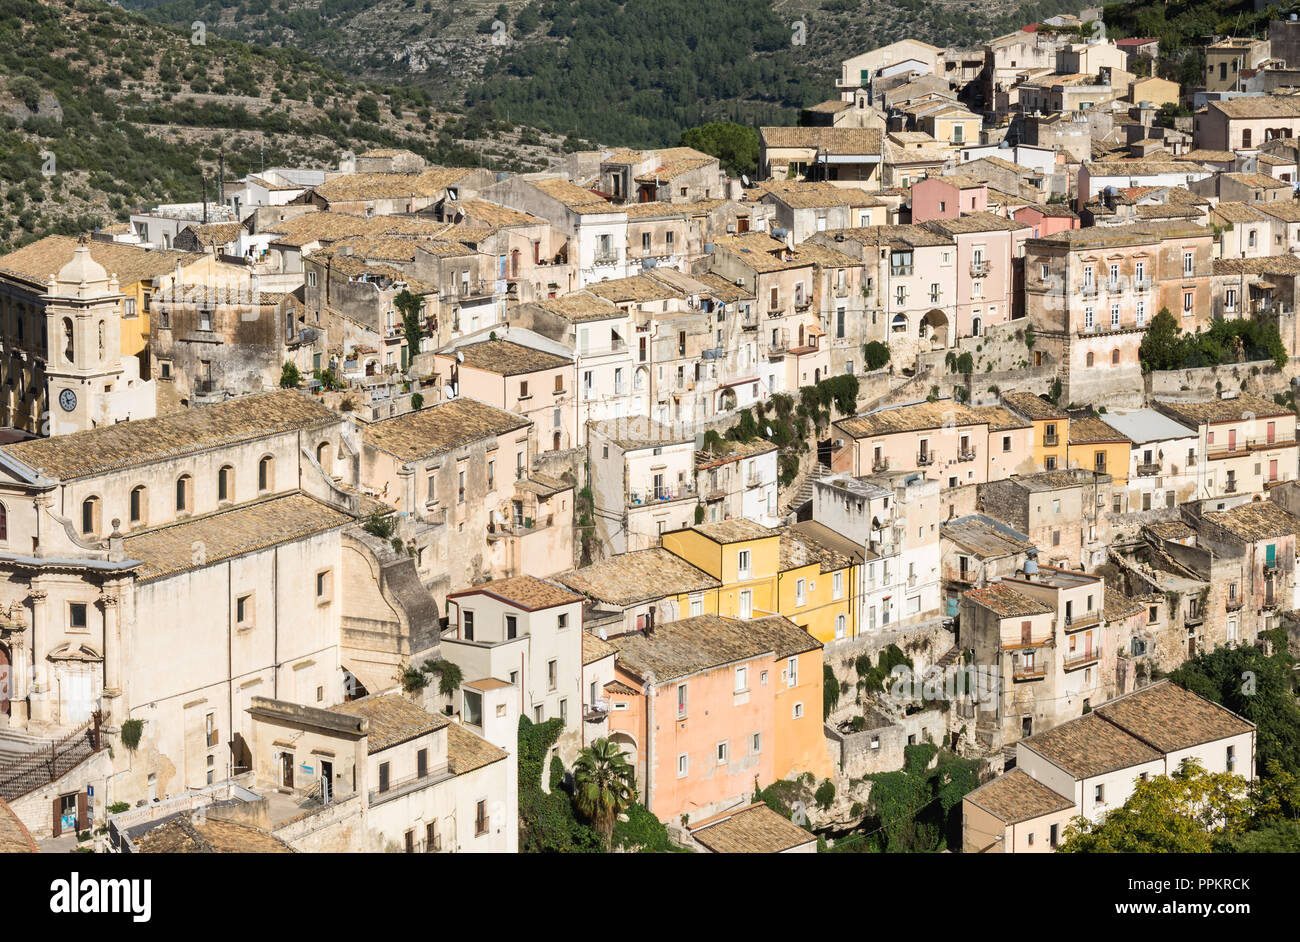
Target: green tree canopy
x,y
735,145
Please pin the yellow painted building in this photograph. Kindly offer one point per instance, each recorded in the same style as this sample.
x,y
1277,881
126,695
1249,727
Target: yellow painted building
x,y
817,584
1051,429
744,556
1095,446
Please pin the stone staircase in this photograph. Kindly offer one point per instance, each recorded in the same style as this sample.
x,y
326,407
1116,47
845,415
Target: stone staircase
x,y
950,658
804,493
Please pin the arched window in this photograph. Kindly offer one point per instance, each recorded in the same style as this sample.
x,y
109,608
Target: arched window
x,y
323,457
975,326
137,504
514,263
90,516
899,323
1114,357
184,493
68,346
4,523
1091,359
226,483
266,473
101,341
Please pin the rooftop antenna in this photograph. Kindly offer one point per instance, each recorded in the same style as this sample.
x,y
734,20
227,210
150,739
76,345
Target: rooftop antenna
x,y
205,199
221,177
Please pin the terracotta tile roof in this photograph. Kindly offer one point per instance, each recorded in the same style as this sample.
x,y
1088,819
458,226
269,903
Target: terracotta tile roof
x,y
1170,718
903,236
756,829
510,359
35,263
143,441
229,533
975,222
1000,419
1259,106
1033,407
1257,520
730,451
832,140
496,215
637,432
1005,602
1092,430
911,418
636,288
656,209
581,306
393,720
736,530
1017,797
594,649
14,836
440,428
725,290
823,197
1266,265
395,186
467,752
1138,233
676,649
640,576
762,252
526,592
1090,746
676,168
1286,210
809,542
575,197
1221,410
1116,605
216,233
984,538
330,227
1201,155
181,835
1261,180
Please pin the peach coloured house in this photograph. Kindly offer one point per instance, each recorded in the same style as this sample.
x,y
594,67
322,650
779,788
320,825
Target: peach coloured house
x,y
695,704
1045,219
536,384
956,444
948,197
986,246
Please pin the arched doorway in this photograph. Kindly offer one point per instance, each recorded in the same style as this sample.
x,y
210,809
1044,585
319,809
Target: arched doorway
x,y
935,326
555,442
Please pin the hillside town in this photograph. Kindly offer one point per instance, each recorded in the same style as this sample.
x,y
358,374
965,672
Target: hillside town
x,y
374,507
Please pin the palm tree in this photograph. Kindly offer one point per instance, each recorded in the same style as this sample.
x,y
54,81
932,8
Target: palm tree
x,y
602,785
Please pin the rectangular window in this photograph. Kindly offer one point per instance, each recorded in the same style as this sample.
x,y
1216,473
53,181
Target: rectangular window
x,y
210,729
681,701
383,776
792,671
800,592
467,625
682,765
480,818
837,585
722,753
552,675
742,564
746,606
421,763
742,679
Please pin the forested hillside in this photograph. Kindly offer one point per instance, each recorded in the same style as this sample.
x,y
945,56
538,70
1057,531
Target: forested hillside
x,y
618,71
101,111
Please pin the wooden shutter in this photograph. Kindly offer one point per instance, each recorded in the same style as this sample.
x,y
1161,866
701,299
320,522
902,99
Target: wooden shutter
x,y
83,816
58,819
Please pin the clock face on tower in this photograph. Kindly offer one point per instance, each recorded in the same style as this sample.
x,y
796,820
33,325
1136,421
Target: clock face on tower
x,y
68,400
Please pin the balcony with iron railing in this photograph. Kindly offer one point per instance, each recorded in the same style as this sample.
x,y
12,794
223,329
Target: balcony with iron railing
x,y
880,464
1074,661
924,458
966,456
1079,622
660,495
1051,441
1147,470
1230,487
404,786
597,710
980,268
900,271
1241,446
1021,673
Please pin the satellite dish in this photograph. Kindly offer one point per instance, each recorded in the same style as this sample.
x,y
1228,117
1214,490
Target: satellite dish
x,y
448,392
769,430
460,356
789,241
744,180
451,195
